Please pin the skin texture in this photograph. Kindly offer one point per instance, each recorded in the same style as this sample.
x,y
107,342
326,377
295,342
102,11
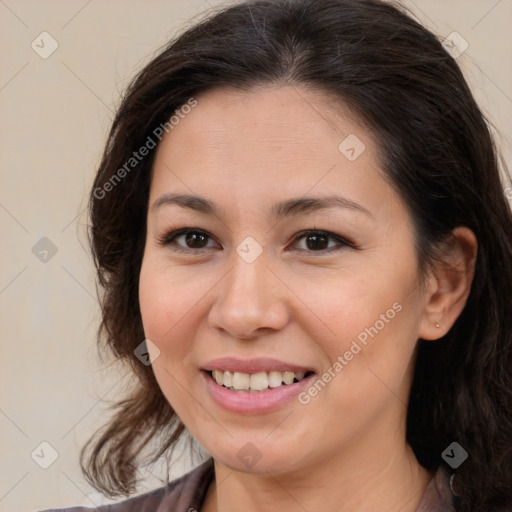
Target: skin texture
x,y
245,151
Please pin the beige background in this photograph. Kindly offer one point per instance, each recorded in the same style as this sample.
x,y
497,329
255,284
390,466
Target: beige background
x,y
54,114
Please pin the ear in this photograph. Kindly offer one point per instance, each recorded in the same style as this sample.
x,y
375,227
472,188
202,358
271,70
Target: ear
x,y
448,284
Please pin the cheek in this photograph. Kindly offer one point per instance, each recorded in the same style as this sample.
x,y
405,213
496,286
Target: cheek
x,y
173,303
167,296
353,306
367,325
167,309
164,306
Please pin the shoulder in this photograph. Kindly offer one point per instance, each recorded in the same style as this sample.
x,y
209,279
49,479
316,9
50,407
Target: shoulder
x,y
180,495
440,496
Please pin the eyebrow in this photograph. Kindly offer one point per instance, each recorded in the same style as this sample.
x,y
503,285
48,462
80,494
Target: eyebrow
x,y
291,207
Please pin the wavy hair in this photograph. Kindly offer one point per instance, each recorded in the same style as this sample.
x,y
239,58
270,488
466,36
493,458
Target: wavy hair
x,y
435,148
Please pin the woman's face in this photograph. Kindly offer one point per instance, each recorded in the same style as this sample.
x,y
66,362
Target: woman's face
x,y
248,294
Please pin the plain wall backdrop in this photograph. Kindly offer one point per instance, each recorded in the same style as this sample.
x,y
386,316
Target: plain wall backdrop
x,y
55,111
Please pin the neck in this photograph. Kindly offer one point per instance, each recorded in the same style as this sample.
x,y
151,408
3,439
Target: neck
x,y
386,480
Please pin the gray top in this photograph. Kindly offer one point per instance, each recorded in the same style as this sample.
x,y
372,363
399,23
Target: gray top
x,y
187,494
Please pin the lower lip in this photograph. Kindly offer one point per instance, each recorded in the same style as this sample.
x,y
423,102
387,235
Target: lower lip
x,y
254,403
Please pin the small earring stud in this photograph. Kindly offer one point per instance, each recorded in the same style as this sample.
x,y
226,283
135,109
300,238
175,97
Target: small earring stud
x,y
437,325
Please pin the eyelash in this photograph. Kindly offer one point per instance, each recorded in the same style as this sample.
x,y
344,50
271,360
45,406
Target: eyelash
x,y
170,237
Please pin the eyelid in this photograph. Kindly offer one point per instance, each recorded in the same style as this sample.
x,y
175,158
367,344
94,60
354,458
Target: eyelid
x,y
344,241
168,238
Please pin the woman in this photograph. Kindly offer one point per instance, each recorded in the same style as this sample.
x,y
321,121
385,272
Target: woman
x,y
299,210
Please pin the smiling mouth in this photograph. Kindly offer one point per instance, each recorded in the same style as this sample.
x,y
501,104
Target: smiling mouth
x,y
256,382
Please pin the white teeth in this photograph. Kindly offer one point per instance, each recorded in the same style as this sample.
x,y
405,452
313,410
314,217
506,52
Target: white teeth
x,y
260,381
275,379
218,376
241,380
288,377
228,379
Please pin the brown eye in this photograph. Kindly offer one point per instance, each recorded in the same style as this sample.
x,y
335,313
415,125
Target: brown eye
x,y
195,240
318,241
185,239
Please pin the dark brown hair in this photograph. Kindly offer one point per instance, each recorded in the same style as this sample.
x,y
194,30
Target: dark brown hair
x,y
435,148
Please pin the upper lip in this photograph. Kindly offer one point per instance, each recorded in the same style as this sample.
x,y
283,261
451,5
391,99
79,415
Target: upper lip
x,y
255,365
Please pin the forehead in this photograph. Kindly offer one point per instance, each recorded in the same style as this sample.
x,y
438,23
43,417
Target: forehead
x,y
288,113
267,143
268,118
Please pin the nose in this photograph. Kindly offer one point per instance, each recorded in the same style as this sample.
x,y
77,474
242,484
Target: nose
x,y
250,301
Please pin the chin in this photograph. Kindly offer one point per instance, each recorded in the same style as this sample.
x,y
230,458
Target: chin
x,y
258,456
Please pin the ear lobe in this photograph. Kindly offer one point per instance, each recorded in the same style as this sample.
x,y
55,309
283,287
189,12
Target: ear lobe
x,y
449,284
